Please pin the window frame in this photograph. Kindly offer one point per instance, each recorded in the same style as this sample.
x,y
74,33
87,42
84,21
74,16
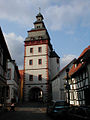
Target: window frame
x,y
31,50
39,49
30,78
39,62
40,76
32,62
57,60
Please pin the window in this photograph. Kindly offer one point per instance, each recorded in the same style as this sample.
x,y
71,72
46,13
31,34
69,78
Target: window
x,y
30,77
39,77
38,26
40,61
39,37
32,38
31,50
30,62
39,49
9,74
57,61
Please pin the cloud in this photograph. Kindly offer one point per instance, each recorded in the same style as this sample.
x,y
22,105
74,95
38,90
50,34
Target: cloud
x,y
16,47
68,15
66,59
59,14
21,11
70,32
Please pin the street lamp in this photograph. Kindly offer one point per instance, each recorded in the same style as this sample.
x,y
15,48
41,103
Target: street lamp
x,y
67,85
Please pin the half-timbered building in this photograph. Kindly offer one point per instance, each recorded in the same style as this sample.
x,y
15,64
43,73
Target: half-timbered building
x,y
80,79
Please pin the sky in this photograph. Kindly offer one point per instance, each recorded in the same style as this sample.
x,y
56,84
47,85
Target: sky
x,y
67,22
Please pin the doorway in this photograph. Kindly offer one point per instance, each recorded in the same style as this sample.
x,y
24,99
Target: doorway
x,y
35,94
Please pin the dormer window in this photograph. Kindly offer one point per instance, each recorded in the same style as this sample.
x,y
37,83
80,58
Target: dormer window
x,y
75,65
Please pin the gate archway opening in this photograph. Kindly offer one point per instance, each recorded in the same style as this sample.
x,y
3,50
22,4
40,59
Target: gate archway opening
x,y
35,94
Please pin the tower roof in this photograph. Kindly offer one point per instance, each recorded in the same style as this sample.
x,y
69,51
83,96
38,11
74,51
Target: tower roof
x,y
54,54
39,15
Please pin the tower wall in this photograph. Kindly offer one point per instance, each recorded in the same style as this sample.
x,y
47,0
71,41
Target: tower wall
x,y
35,69
37,64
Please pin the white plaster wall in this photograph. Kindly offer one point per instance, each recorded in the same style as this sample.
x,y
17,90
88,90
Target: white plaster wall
x,y
35,74
58,89
35,56
35,64
35,50
54,67
11,66
55,89
12,83
36,69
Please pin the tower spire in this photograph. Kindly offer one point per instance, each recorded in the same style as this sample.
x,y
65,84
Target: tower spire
x,y
39,9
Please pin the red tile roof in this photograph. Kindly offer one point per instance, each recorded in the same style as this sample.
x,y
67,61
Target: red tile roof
x,y
84,51
75,69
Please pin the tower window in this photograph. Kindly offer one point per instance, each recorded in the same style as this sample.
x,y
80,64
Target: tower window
x,y
57,61
39,49
38,26
32,38
30,77
40,37
30,62
31,50
39,77
39,61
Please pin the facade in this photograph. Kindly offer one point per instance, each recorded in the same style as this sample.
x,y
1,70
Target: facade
x,y
13,82
4,55
80,80
21,85
38,59
58,84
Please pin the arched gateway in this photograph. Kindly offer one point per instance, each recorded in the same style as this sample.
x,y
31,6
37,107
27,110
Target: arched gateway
x,y
35,94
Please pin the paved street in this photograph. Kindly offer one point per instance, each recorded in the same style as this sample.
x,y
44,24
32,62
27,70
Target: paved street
x,y
30,111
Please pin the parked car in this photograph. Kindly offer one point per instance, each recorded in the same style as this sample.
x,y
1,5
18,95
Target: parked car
x,y
79,112
57,108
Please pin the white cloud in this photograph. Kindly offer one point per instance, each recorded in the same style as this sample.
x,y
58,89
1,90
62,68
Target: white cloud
x,y
59,13
21,11
16,47
70,32
68,15
66,59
